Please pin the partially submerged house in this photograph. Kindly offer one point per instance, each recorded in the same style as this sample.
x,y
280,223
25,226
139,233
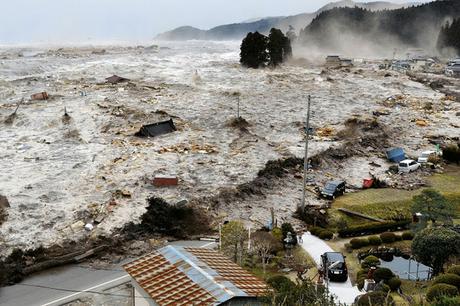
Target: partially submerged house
x,y
177,275
333,61
115,79
156,129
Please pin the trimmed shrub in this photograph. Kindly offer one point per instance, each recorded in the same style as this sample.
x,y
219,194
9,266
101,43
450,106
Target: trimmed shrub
x,y
388,237
448,278
446,301
316,230
326,235
280,282
362,272
383,274
407,235
360,282
373,228
383,287
398,238
375,298
454,270
357,243
451,153
370,261
375,240
277,233
394,283
438,290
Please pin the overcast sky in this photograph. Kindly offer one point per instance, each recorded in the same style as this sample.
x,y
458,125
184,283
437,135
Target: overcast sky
x,y
35,21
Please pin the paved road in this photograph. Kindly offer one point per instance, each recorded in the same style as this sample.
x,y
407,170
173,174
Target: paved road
x,y
345,292
71,278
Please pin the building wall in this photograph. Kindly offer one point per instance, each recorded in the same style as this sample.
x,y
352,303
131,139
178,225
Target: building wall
x,y
243,301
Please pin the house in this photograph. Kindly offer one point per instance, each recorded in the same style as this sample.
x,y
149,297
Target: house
x,y
177,275
333,61
157,129
115,79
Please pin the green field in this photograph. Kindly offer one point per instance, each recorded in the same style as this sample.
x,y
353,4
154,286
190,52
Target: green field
x,y
390,203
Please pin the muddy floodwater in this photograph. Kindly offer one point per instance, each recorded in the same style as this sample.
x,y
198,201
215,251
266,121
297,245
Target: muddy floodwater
x,y
60,173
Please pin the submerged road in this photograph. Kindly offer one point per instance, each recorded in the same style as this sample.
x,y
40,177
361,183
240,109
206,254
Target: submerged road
x,y
345,292
63,284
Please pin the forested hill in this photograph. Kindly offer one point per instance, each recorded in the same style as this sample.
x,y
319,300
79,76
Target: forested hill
x,y
348,30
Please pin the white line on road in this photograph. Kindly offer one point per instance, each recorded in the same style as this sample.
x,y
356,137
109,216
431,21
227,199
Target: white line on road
x,y
207,244
89,289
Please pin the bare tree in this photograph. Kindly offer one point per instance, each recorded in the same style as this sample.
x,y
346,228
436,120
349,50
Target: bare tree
x,y
264,245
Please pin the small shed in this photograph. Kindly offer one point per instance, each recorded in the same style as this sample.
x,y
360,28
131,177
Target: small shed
x,y
396,154
156,129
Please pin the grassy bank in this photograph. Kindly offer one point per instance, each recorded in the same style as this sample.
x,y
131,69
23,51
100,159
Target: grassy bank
x,y
390,203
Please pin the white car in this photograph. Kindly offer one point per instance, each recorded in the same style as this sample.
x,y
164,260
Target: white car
x,y
426,155
408,165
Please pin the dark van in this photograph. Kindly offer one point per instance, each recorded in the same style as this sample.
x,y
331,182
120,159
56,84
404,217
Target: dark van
x,y
333,189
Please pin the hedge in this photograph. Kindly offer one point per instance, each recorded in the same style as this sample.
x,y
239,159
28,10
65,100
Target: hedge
x,y
454,270
370,261
448,278
326,235
375,298
388,237
447,301
375,240
394,283
357,243
438,290
373,228
407,235
383,274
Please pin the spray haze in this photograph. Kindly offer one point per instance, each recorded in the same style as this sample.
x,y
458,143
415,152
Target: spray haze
x,y
360,32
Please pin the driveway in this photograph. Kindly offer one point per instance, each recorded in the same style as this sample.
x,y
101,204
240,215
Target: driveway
x,y
345,292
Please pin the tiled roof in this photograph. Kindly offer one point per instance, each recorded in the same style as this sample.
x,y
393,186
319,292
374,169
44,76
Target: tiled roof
x,y
192,276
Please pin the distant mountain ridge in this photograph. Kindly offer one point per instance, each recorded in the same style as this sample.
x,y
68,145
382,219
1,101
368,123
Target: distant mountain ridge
x,y
237,31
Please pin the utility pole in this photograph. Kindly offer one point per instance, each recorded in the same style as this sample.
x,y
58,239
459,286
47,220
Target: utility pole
x,y
305,162
238,110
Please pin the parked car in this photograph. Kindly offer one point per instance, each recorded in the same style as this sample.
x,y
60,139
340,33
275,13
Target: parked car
x,y
426,155
335,265
333,189
408,165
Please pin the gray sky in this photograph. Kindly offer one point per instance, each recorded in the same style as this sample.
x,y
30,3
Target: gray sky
x,y
35,21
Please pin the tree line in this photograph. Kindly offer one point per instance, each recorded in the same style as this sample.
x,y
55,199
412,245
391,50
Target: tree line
x,y
409,26
449,37
258,50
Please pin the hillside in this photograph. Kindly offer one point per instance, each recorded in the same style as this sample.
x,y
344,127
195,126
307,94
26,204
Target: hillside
x,y
237,31
340,30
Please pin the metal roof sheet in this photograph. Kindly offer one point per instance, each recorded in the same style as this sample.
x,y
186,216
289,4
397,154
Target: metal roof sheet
x,y
175,276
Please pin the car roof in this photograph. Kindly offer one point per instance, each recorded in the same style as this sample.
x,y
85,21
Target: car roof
x,y
334,256
428,152
407,161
